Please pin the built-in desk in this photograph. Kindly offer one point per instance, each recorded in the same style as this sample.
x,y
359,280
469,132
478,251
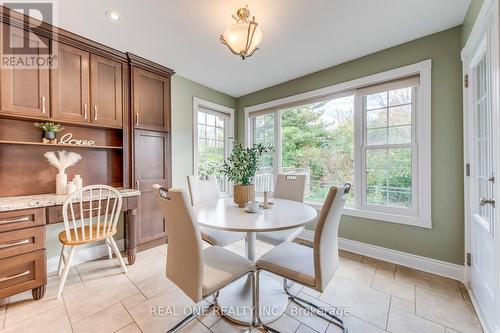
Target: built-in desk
x,y
23,259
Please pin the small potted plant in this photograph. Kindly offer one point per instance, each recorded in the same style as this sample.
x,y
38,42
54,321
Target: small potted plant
x,y
241,167
49,130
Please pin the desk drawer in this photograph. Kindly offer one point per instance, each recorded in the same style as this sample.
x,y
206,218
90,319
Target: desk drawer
x,y
55,214
22,272
21,219
22,241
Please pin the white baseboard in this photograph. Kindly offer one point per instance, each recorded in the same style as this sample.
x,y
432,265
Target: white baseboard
x,y
429,265
83,255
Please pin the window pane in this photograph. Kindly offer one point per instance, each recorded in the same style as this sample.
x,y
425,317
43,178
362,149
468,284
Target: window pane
x,y
400,96
400,115
201,131
219,122
376,118
202,118
318,141
210,132
264,134
376,101
219,133
210,119
377,136
400,134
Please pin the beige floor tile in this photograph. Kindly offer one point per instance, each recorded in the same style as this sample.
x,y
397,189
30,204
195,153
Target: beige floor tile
x,y
465,292
98,269
402,319
154,285
311,292
148,264
225,326
356,271
363,302
384,281
161,312
107,320
130,328
194,327
97,295
55,320
354,325
133,300
73,281
350,255
305,316
209,317
22,306
162,249
305,329
429,281
379,264
285,324
448,311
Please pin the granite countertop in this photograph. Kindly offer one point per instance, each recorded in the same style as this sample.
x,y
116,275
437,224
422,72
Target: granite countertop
x,y
45,200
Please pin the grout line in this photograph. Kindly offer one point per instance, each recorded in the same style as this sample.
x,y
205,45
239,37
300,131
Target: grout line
x,y
133,320
388,315
67,313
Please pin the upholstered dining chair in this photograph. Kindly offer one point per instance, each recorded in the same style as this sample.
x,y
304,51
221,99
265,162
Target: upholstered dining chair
x,y
312,267
198,273
289,187
85,225
204,190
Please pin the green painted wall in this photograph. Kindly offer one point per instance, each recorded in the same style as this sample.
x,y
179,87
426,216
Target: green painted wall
x,y
183,91
445,241
470,18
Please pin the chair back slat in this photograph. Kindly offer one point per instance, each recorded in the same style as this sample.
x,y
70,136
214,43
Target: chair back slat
x,y
326,249
92,225
290,187
202,190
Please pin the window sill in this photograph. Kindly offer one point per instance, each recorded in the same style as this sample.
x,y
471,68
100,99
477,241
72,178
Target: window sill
x,y
384,217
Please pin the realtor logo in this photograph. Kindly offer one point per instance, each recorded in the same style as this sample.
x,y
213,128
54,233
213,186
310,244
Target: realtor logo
x,y
28,38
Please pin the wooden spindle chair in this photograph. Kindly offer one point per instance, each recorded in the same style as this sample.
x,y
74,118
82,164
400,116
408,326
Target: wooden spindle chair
x,y
89,224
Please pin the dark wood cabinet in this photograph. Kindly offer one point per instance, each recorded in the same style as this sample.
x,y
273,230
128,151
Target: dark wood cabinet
x,y
24,91
151,94
152,166
106,93
70,85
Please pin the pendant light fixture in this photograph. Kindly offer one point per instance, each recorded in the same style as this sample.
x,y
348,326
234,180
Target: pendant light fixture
x,y
243,37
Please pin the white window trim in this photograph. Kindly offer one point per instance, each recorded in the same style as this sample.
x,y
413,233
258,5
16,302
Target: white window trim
x,y
197,103
423,134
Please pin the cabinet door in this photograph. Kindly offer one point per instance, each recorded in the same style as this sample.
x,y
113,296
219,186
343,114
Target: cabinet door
x,y
24,91
106,91
151,100
152,166
70,85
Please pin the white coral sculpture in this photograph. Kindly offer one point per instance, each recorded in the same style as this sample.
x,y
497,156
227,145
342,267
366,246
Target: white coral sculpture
x,y
62,160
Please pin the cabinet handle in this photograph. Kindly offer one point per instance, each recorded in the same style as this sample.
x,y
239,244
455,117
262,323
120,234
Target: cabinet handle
x,y
95,112
18,219
84,111
26,241
137,119
7,278
43,104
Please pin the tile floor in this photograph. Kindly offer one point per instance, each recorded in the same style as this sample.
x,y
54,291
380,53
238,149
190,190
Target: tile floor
x,y
382,297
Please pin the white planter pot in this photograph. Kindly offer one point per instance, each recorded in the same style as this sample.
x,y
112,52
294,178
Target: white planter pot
x,y
61,182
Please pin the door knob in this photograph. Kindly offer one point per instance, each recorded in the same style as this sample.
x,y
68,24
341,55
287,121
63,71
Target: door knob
x,y
484,202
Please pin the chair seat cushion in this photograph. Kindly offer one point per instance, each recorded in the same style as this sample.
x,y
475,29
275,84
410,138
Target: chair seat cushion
x,y
290,260
221,267
278,237
220,238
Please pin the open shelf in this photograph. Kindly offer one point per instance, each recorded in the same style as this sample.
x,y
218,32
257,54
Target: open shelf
x,y
57,145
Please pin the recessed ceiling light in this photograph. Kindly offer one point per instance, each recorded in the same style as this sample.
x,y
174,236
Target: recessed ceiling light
x,y
113,15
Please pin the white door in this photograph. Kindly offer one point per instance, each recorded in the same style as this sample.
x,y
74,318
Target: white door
x,y
482,154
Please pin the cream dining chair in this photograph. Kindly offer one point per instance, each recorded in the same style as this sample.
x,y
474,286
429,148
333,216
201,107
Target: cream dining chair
x,y
289,187
198,273
310,267
85,225
204,190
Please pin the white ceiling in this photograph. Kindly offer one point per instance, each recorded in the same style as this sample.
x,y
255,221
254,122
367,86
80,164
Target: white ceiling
x,y
300,36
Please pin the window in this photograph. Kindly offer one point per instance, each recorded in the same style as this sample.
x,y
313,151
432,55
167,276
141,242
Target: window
x,y
372,132
213,131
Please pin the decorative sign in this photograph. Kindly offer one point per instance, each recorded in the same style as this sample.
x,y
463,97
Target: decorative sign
x,y
67,139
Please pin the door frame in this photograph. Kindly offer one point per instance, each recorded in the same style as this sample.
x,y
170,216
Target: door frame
x,y
487,19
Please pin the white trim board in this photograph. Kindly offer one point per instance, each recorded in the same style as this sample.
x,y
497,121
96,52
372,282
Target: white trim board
x,y
84,255
438,267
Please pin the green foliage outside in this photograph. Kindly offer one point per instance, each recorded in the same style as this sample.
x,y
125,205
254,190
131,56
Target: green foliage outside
x,y
243,163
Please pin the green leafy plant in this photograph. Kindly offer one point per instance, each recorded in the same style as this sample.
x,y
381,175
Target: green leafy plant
x,y
243,163
49,127
207,168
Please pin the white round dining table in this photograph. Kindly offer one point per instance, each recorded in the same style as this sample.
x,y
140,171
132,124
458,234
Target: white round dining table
x,y
235,300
